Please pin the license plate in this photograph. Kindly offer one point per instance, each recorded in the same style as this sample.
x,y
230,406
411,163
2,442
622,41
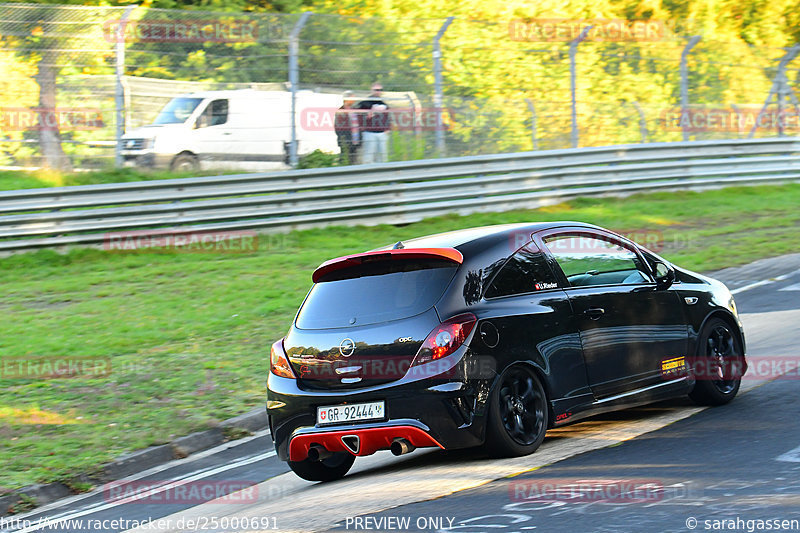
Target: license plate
x,y
342,414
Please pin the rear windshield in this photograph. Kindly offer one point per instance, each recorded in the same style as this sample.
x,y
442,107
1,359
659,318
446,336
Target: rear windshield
x,y
375,292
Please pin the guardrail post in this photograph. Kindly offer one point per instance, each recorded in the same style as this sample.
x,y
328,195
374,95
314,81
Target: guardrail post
x,y
573,49
685,80
119,91
532,109
294,50
438,97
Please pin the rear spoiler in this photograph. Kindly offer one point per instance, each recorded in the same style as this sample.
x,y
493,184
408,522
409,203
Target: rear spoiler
x,y
348,261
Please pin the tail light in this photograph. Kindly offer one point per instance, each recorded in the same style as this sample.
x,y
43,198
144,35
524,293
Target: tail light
x,y
445,338
278,362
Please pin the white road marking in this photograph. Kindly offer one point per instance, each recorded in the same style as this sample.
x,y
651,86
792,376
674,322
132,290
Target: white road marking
x,y
792,456
149,472
795,287
764,282
50,523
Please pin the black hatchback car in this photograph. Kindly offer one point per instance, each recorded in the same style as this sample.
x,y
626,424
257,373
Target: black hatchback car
x,y
488,337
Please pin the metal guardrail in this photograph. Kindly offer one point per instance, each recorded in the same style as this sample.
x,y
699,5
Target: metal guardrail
x,y
383,193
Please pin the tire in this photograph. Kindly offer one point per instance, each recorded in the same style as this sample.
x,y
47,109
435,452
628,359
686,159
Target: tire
x,y
184,163
330,469
717,368
518,414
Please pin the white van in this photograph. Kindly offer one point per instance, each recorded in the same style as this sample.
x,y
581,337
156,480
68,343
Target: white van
x,y
242,129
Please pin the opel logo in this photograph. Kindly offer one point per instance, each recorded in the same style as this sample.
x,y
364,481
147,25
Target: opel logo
x,y
347,347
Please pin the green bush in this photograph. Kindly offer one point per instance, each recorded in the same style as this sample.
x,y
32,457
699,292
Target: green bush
x,y
318,159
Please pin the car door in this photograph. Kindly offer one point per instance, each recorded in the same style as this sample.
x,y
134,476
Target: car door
x,y
530,319
628,326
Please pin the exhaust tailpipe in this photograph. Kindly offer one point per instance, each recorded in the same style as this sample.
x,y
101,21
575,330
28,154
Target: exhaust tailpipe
x,y
318,453
401,446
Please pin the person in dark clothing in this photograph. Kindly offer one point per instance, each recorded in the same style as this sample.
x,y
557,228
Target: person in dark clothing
x,y
376,123
348,133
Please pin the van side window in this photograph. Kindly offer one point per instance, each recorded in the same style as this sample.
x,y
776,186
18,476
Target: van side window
x,y
215,114
525,272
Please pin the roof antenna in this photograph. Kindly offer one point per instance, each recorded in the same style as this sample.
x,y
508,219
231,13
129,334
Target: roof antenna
x,y
398,245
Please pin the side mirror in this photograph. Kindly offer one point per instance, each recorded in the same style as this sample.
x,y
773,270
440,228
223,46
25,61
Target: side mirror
x,y
665,276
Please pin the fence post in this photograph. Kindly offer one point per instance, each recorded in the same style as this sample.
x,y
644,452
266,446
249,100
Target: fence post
x,y
573,49
532,109
438,97
642,120
780,86
685,80
119,91
294,50
784,90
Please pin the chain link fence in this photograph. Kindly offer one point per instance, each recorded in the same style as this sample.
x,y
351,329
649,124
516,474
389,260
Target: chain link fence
x,y
81,85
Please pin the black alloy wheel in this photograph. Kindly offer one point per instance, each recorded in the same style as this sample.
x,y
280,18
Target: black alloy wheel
x,y
518,413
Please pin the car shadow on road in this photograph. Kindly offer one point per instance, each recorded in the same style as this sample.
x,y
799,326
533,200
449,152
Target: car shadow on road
x,y
477,455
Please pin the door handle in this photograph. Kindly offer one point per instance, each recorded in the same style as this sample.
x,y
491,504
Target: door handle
x,y
594,313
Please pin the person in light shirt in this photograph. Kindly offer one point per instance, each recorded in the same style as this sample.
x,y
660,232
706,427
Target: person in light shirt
x,y
375,126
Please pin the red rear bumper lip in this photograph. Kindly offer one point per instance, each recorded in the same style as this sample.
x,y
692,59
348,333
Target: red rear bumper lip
x,y
371,440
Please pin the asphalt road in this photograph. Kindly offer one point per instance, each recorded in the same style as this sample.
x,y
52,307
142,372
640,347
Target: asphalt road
x,y
740,461
653,468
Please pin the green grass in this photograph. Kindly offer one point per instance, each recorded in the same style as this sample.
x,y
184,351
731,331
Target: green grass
x,y
14,180
188,334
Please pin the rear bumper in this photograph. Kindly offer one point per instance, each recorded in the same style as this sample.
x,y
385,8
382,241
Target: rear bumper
x,y
361,440
446,411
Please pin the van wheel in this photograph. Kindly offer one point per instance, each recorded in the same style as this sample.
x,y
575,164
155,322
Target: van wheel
x,y
518,414
184,163
330,469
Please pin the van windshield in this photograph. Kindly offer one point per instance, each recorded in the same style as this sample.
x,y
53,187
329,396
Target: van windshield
x,y
388,290
177,110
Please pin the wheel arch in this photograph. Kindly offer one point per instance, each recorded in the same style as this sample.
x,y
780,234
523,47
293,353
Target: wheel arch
x,y
543,379
728,318
183,153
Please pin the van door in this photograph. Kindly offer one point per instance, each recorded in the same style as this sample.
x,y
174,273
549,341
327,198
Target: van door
x,y
259,126
213,134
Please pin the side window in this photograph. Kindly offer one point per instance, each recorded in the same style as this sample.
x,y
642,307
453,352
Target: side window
x,y
526,271
588,261
215,114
